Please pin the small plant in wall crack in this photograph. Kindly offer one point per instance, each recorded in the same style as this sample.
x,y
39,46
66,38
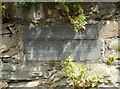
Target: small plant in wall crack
x,y
52,62
78,75
53,84
110,59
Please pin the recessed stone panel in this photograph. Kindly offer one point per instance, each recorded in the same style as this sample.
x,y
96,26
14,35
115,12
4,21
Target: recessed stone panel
x,y
60,33
47,43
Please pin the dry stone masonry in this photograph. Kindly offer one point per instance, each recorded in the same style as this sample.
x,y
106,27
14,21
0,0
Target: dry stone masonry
x,y
11,47
30,55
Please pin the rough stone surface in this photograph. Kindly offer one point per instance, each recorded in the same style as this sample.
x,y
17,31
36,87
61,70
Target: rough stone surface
x,y
115,44
61,32
3,85
109,72
45,73
110,29
12,46
98,41
57,50
111,48
26,84
57,42
7,43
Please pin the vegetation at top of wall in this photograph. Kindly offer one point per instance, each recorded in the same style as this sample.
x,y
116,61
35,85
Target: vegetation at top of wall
x,y
5,16
73,10
25,5
78,76
76,15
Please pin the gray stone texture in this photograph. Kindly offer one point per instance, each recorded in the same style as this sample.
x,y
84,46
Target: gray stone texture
x,y
46,43
61,32
58,50
115,44
12,42
109,30
36,74
56,42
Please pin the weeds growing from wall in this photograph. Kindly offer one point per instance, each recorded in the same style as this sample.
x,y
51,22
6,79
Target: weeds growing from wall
x,y
110,60
78,76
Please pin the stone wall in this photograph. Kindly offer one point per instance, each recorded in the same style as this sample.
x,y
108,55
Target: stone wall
x,y
57,42
17,70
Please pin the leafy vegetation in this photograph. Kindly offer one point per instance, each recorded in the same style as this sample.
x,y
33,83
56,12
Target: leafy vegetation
x,y
75,14
73,11
110,60
53,84
78,75
5,16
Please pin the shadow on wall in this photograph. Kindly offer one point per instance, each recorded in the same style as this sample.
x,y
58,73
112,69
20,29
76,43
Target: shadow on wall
x,y
57,42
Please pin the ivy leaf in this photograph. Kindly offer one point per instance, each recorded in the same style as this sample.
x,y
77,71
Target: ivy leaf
x,y
66,8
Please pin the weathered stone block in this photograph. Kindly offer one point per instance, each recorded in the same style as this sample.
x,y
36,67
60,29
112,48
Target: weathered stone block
x,y
19,55
25,72
3,85
110,29
26,84
57,42
5,31
83,50
115,44
102,69
30,71
11,52
7,43
109,73
60,32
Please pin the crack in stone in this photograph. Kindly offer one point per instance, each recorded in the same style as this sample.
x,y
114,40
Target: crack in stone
x,y
8,49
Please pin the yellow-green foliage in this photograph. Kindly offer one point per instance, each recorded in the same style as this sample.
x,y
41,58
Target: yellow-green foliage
x,y
53,84
110,60
79,22
73,11
78,75
5,16
75,14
